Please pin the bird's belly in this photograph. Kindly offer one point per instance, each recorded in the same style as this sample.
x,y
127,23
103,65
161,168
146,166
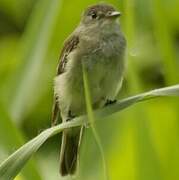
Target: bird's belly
x,y
104,77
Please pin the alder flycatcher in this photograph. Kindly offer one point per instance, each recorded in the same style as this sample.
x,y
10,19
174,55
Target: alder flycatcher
x,y
99,44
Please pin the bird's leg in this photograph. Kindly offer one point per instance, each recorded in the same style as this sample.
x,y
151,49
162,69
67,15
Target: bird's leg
x,y
109,102
70,116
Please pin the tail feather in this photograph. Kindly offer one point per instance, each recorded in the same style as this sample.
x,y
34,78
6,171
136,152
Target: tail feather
x,y
69,153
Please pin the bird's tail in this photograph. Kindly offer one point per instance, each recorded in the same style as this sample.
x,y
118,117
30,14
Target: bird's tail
x,y
69,152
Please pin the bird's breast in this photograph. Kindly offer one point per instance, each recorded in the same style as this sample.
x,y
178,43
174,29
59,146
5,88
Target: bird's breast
x,y
104,62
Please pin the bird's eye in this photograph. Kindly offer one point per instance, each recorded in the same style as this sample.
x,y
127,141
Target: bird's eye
x,y
94,16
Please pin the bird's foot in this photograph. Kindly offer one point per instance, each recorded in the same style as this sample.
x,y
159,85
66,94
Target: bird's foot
x,y
54,123
70,115
109,102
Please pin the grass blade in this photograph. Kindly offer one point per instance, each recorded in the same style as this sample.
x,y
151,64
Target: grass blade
x,y
91,119
14,163
12,138
168,91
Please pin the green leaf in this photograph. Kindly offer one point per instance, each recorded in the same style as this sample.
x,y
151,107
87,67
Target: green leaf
x,y
12,138
14,163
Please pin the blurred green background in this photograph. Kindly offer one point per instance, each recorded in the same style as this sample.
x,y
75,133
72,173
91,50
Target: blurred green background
x,y
142,142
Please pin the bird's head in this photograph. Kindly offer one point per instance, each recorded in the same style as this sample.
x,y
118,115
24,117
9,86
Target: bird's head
x,y
99,16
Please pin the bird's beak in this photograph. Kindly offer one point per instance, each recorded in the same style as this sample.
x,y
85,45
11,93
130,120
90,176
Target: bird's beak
x,y
114,14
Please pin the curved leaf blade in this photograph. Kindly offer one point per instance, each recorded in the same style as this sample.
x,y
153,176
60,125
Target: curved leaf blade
x,y
14,163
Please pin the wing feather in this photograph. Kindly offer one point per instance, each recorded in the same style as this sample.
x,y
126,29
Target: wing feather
x,y
69,45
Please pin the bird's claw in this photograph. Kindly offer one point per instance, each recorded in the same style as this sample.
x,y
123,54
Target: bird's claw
x,y
109,102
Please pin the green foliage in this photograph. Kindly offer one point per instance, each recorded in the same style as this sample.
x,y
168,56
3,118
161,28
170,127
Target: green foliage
x,y
139,143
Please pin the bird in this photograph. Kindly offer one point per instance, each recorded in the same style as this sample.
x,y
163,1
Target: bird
x,y
99,44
